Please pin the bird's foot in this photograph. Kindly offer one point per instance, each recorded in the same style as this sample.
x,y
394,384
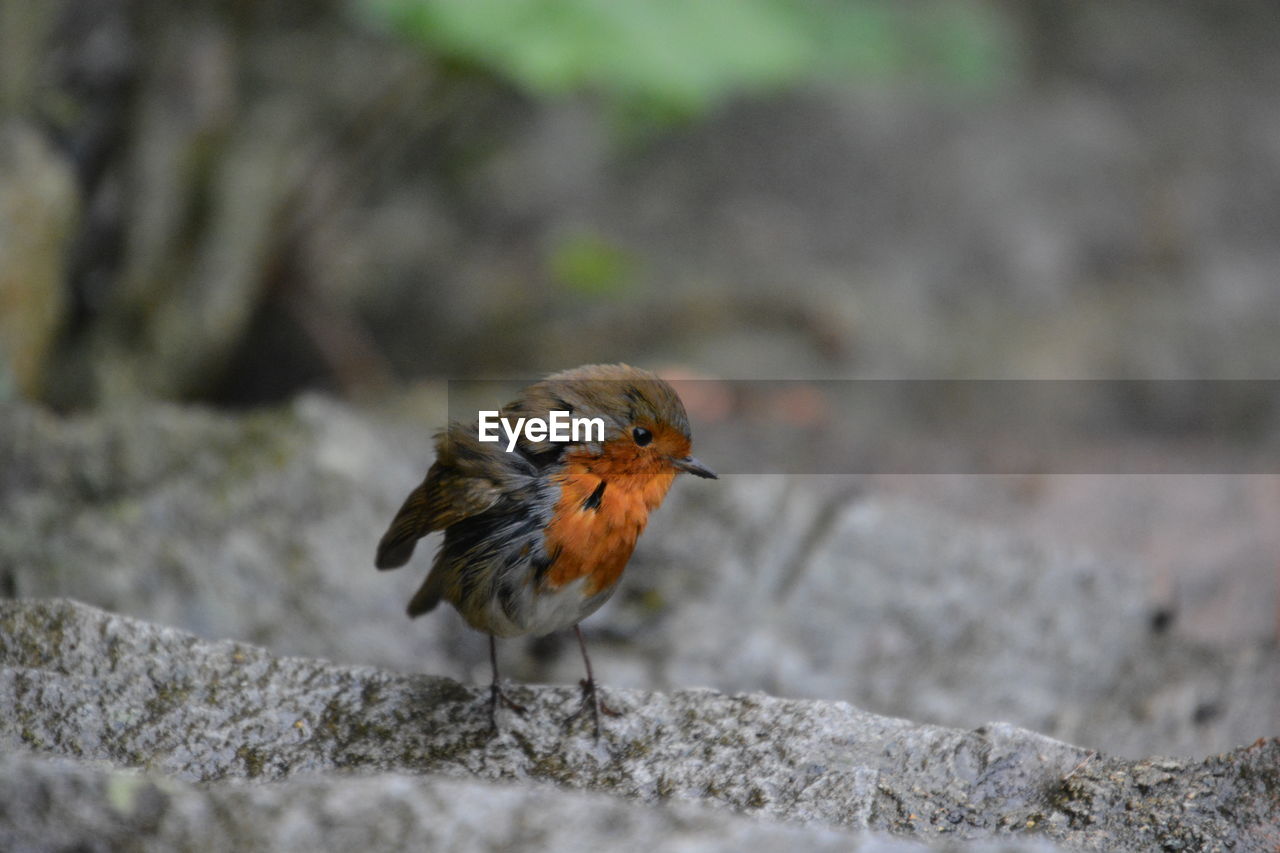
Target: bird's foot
x,y
496,697
591,699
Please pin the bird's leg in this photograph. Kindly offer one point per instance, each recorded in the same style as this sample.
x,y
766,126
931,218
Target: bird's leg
x,y
495,691
590,696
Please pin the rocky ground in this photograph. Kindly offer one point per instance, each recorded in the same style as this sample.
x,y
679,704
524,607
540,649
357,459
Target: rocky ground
x,y
255,533
380,756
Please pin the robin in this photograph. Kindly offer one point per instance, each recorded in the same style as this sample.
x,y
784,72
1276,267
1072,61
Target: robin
x,y
538,531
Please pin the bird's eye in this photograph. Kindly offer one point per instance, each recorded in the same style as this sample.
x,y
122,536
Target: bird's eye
x,y
642,436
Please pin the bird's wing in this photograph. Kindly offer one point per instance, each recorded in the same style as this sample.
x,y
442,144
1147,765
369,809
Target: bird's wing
x,y
466,479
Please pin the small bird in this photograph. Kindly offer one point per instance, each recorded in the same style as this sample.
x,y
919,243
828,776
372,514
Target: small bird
x,y
536,538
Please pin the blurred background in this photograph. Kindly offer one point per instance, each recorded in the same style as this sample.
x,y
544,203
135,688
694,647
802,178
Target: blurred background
x,y
234,202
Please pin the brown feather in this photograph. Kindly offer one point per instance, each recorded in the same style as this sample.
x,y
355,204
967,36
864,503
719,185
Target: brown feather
x,y
427,596
397,544
457,486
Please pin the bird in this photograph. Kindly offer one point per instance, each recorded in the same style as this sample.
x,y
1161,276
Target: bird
x,y
537,532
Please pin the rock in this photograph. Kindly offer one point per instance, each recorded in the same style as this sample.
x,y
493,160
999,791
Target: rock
x,y
262,528
259,528
799,587
76,682
60,804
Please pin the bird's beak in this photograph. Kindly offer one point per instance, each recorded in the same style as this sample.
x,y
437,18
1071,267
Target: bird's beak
x,y
694,467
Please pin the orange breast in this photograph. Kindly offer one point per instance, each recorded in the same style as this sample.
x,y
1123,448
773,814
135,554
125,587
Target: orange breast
x,y
596,541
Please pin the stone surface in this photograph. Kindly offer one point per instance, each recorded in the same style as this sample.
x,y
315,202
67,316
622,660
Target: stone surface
x,y
76,682
46,804
57,803
258,528
262,528
94,685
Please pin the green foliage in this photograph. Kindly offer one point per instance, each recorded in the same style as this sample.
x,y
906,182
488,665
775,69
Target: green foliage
x,y
682,56
591,266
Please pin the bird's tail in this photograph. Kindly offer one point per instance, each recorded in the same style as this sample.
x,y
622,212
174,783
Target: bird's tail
x,y
426,598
